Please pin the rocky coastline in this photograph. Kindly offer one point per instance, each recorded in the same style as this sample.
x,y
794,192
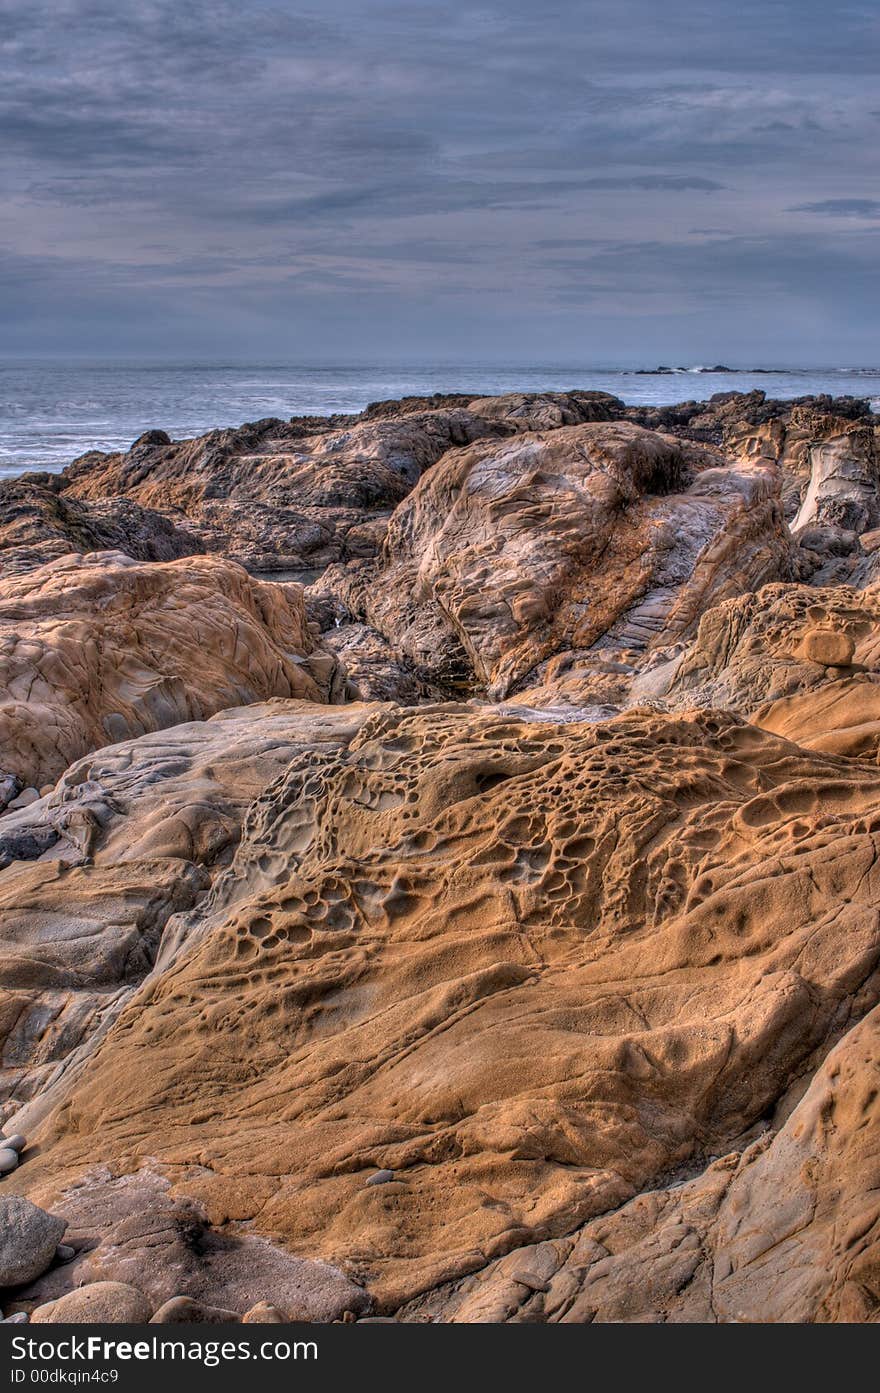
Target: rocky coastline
x,y
440,868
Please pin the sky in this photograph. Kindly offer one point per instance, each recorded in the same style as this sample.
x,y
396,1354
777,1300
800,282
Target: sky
x,y
591,182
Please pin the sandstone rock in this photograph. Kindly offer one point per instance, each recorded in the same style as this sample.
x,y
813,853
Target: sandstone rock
x,y
130,836
594,536
758,648
98,649
282,496
40,523
263,1314
555,1004
131,1231
589,902
531,411
28,1239
829,647
182,1310
783,1231
840,717
843,481
113,1303
374,671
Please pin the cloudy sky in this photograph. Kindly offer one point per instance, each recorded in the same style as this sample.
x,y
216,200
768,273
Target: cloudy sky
x,y
588,182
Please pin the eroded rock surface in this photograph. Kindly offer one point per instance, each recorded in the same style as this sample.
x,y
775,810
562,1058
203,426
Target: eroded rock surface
x,y
98,648
281,496
95,870
541,982
39,523
783,1231
508,552
803,662
530,969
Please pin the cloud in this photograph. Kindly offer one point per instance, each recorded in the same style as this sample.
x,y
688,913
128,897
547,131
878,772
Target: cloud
x,y
842,207
654,182
239,168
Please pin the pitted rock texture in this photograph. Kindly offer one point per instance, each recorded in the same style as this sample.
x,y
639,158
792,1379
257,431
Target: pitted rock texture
x,y
96,870
801,661
100,648
508,552
520,961
531,969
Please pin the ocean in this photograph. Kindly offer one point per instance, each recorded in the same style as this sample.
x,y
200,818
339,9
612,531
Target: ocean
x,y
50,412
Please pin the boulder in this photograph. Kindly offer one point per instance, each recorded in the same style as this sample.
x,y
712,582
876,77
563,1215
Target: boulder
x,y
182,1310
28,1239
99,1303
830,647
96,649
263,1314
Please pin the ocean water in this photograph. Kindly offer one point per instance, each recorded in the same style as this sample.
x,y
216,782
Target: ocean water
x,y
52,412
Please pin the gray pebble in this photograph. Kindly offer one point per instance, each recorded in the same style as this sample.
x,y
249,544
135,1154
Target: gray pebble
x,y
29,1238
18,1318
381,1178
8,1160
16,1142
64,1252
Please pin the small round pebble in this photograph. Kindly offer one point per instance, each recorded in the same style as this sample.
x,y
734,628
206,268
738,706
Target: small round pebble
x,y
183,1310
16,1142
381,1178
17,1318
264,1313
64,1252
8,1159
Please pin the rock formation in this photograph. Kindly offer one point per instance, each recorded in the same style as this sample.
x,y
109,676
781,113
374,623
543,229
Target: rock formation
x,y
519,959
596,916
276,496
39,523
596,536
95,870
98,648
